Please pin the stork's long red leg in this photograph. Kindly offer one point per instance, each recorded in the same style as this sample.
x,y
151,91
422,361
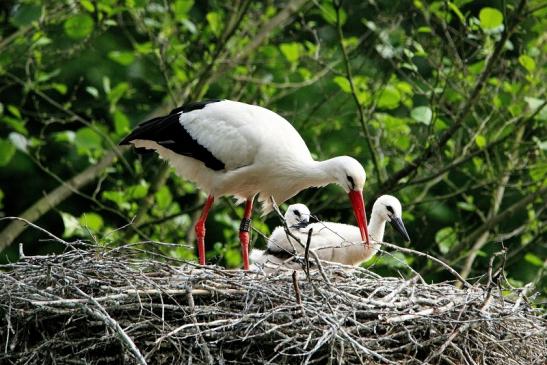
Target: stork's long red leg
x,y
200,229
244,229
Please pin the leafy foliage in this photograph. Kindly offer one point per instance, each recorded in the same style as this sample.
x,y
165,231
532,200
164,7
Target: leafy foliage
x,y
443,103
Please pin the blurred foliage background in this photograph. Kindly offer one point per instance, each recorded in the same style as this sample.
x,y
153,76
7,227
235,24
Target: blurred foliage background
x,y
443,102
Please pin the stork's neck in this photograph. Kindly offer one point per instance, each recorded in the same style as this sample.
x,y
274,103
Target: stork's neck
x,y
376,227
319,173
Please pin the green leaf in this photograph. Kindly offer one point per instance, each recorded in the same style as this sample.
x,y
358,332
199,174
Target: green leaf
x,y
137,191
72,225
182,7
117,197
457,11
533,259
534,104
64,136
19,141
26,14
87,5
329,13
7,150
480,140
291,51
87,139
215,21
121,122
92,221
60,88
115,94
538,172
389,98
163,197
124,58
446,239
490,18
422,114
79,26
343,83
14,110
92,91
527,62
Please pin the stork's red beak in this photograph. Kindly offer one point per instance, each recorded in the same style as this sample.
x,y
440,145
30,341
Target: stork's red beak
x,y
358,204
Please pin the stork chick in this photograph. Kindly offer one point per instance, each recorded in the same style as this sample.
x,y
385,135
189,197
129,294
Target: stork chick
x,y
336,242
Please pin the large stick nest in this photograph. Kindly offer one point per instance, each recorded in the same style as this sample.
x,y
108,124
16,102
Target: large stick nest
x,y
99,306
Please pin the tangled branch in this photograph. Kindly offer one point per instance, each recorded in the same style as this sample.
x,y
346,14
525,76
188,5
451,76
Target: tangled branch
x,y
102,305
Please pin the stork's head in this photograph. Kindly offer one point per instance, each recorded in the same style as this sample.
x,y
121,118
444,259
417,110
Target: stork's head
x,y
297,216
351,176
389,208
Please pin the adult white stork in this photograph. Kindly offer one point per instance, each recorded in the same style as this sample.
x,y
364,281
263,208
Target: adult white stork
x,y
232,148
334,242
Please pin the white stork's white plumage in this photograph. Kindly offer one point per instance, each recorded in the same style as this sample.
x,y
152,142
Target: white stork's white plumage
x,y
241,150
334,242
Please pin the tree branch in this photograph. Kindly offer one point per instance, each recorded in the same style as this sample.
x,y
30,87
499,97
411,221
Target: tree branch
x,y
462,112
53,198
362,118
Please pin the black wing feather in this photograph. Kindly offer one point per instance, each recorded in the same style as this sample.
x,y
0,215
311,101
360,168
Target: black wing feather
x,y
168,132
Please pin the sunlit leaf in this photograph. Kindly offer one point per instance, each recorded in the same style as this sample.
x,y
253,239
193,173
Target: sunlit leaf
x,y
182,7
163,197
422,114
343,83
389,98
291,51
87,138
14,110
215,22
121,122
490,18
71,223
91,221
124,58
79,26
328,12
527,62
87,5
60,88
533,259
19,141
480,140
534,104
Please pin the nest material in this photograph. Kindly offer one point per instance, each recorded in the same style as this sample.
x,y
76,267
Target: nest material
x,y
101,306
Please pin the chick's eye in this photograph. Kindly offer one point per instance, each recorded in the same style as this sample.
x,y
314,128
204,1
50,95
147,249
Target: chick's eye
x,y
390,209
297,213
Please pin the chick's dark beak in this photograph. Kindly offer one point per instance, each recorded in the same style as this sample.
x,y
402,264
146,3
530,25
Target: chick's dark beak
x,y
397,223
301,224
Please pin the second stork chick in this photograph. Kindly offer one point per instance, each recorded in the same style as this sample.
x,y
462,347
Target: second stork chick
x,y
334,242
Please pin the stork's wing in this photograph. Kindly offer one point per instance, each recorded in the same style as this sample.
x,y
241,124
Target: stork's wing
x,y
168,132
222,134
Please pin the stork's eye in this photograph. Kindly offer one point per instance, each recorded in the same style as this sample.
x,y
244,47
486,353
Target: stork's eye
x,y
390,209
351,182
297,213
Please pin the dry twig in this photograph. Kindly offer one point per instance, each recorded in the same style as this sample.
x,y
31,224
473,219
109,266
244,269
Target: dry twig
x,y
112,306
